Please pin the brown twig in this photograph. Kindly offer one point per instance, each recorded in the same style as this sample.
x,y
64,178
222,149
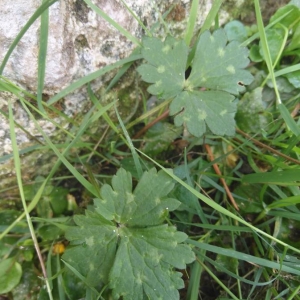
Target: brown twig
x,y
218,172
262,145
144,129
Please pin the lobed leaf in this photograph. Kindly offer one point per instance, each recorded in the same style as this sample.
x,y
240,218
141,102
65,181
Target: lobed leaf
x,y
123,243
217,70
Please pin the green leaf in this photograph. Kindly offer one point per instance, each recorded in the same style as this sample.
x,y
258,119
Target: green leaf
x,y
217,66
49,232
295,42
58,200
251,115
236,31
10,274
247,198
254,54
275,37
291,19
229,263
159,137
294,78
124,243
27,287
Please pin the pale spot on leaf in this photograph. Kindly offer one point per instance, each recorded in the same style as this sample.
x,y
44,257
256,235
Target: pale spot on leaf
x,y
221,52
139,279
157,200
212,39
166,49
223,112
158,83
231,69
202,114
89,241
91,267
129,197
158,258
161,69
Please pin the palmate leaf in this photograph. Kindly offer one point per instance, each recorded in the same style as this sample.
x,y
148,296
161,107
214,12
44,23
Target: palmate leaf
x,y
217,69
124,244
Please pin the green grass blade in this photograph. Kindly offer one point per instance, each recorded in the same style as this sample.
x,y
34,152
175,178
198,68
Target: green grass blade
x,y
265,47
195,278
284,214
245,257
60,283
17,163
206,26
285,176
211,15
135,156
196,205
287,70
231,274
113,23
49,267
286,33
218,281
106,117
291,124
36,15
293,200
42,56
79,83
191,22
81,277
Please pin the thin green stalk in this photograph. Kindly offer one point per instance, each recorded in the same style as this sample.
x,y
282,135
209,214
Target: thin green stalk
x,y
195,278
237,268
191,22
17,163
217,280
265,47
294,293
135,156
212,15
42,56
